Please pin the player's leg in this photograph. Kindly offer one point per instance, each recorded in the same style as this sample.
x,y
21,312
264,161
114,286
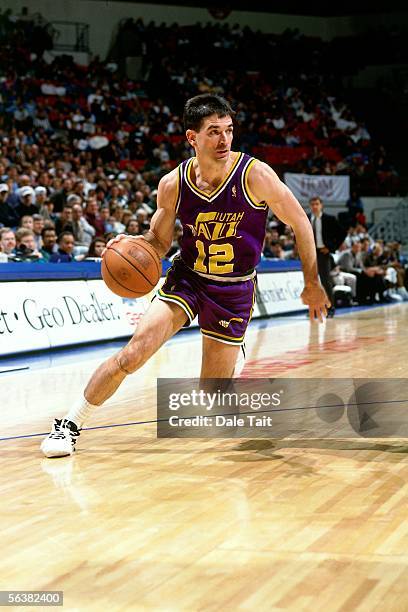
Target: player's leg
x,y
224,315
218,359
160,323
218,362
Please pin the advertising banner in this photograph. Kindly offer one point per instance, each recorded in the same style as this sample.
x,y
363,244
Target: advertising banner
x,y
40,315
278,293
328,188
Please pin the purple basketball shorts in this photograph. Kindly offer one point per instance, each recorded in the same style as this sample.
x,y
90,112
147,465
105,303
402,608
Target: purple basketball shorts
x,y
224,309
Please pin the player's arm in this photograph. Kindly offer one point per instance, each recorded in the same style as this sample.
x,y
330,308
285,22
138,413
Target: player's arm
x,y
265,186
160,233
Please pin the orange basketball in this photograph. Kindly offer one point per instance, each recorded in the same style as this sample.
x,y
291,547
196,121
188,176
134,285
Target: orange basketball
x,y
131,267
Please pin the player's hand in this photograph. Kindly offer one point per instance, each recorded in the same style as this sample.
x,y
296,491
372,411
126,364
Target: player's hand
x,y
315,297
117,238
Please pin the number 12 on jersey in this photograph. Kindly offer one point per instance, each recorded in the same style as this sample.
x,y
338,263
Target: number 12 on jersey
x,y
216,261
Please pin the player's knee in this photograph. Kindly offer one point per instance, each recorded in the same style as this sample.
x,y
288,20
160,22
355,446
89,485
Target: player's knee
x,y
134,354
128,360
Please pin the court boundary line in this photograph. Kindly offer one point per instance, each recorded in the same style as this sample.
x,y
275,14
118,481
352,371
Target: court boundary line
x,y
342,405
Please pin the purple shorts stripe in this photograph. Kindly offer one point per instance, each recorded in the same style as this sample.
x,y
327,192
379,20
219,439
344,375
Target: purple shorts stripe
x,y
223,309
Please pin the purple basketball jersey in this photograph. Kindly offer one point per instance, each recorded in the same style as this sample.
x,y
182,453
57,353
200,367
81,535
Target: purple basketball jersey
x,y
223,232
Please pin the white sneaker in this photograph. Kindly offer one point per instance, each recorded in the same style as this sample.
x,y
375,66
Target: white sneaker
x,y
61,441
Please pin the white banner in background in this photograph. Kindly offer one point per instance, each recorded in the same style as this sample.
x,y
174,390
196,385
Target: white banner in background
x,y
42,315
327,187
278,292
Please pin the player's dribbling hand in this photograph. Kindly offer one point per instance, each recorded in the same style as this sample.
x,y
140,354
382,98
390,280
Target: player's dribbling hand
x,y
315,297
117,238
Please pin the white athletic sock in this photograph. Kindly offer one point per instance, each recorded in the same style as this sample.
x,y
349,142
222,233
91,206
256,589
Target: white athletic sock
x,y
80,411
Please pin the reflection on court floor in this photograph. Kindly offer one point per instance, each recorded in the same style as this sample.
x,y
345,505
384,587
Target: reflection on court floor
x,y
133,522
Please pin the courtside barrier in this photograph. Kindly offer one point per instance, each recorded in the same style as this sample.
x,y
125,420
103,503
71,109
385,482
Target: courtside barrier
x,y
45,306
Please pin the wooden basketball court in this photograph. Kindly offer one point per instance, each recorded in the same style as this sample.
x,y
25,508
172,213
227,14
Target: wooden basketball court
x,y
136,523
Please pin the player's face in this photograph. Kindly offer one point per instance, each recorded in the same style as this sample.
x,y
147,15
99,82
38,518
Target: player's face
x,y
214,138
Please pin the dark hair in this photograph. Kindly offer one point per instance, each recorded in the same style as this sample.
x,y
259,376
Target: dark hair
x,y
91,250
316,197
198,108
46,229
132,221
63,234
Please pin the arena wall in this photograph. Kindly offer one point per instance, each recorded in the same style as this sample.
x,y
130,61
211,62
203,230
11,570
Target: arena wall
x,y
104,17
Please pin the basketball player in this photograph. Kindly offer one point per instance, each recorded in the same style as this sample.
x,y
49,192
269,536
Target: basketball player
x,y
222,198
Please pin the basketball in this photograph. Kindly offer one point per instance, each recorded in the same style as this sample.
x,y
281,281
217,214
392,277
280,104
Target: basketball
x,y
131,267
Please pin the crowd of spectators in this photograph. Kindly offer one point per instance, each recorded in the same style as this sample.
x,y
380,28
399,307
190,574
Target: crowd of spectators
x,y
82,149
364,271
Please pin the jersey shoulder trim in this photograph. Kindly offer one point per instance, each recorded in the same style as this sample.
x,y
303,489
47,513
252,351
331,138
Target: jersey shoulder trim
x,y
249,196
179,182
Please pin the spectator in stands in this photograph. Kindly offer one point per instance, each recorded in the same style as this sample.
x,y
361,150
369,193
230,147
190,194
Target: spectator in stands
x,y
132,227
94,218
7,241
328,236
292,254
64,221
348,279
96,248
8,215
66,243
25,246
369,279
46,208
26,204
365,245
108,219
266,250
59,198
82,230
361,232
118,225
143,220
127,215
38,226
175,245
277,252
27,221
49,242
41,196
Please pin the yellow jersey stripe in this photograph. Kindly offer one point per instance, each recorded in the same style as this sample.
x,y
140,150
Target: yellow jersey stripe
x,y
253,300
247,191
178,198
